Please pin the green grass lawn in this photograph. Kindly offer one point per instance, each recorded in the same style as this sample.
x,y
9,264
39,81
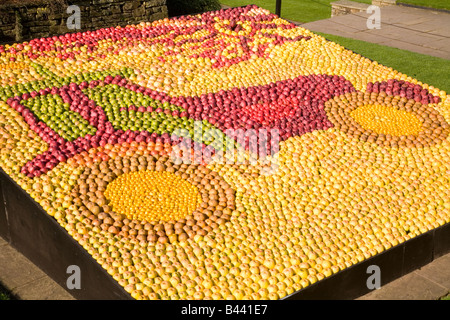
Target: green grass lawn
x,y
430,70
4,294
298,10
437,4
447,297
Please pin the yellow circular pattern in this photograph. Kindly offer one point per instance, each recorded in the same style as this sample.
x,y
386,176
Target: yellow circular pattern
x,y
385,120
393,122
152,195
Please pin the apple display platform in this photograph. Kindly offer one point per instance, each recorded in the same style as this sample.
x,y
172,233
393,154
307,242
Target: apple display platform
x,y
31,231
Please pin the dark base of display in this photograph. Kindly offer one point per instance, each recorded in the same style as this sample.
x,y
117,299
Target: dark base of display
x,y
29,229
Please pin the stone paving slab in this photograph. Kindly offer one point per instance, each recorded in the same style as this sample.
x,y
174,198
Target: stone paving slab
x,y
418,30
41,289
439,32
410,287
354,20
427,283
438,271
24,280
18,271
441,44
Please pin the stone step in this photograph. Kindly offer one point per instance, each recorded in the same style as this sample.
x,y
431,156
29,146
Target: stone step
x,y
342,7
382,3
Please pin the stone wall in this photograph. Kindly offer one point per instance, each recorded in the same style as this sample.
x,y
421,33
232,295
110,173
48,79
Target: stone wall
x,y
29,19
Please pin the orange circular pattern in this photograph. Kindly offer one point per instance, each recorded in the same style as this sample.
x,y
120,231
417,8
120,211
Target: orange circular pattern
x,y
152,195
387,120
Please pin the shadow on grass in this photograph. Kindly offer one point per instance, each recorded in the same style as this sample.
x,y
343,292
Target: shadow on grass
x,y
5,294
